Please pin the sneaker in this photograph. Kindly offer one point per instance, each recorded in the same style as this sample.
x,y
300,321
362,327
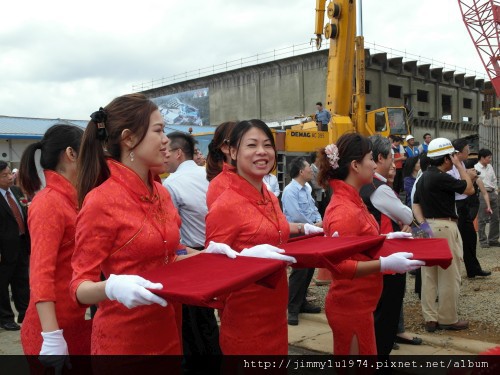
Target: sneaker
x,y
461,324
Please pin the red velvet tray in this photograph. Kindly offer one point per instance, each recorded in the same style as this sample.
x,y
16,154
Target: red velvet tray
x,y
199,280
434,251
323,252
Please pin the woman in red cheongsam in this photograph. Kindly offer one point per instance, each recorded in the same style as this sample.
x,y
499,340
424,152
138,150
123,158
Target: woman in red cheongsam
x,y
357,281
127,225
54,323
245,214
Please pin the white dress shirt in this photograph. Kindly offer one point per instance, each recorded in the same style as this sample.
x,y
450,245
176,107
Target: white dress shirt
x,y
487,176
188,187
387,202
454,173
272,184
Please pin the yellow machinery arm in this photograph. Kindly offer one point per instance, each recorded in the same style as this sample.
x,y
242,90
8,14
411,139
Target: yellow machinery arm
x,y
346,52
341,30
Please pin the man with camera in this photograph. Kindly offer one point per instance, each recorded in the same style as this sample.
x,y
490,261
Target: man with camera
x,y
434,203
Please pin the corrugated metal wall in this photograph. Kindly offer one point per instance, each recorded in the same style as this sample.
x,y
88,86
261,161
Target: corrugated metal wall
x,y
489,137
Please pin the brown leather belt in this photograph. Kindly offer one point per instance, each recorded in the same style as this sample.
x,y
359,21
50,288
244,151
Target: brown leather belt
x,y
443,218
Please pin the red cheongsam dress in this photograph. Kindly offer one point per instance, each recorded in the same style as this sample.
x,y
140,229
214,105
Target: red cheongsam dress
x,y
219,183
51,219
124,229
253,320
350,302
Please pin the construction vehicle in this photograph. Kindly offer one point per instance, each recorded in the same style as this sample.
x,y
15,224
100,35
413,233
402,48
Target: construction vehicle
x,y
346,56
346,65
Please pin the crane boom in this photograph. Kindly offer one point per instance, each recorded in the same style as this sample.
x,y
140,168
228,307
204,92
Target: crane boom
x,y
482,19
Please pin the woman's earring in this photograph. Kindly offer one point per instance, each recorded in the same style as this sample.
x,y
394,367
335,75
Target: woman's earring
x,y
131,155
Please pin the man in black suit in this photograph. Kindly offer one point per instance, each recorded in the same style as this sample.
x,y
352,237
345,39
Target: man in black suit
x,y
14,251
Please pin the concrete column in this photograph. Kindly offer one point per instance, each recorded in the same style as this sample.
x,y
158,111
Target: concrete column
x,y
259,95
301,89
382,89
459,111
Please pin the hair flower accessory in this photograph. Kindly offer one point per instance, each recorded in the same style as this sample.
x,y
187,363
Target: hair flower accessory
x,y
99,118
332,153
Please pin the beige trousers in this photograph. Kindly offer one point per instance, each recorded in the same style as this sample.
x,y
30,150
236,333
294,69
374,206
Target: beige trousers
x,y
445,284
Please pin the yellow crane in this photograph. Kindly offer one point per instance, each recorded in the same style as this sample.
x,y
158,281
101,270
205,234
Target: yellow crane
x,y
346,60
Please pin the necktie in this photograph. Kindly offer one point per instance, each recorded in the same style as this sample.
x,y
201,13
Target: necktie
x,y
16,212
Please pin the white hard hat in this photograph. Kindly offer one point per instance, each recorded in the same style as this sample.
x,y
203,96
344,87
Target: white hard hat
x,y
408,137
440,147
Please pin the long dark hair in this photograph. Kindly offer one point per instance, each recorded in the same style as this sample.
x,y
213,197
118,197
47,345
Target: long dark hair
x,y
215,157
131,112
351,146
242,128
54,143
410,166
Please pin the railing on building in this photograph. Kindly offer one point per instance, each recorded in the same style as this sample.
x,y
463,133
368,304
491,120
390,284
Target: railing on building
x,y
294,50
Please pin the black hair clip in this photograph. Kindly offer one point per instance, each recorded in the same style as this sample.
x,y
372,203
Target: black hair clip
x,y
99,118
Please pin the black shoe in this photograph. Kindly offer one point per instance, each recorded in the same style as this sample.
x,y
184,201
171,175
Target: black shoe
x,y
293,319
309,308
10,326
412,341
431,326
485,246
461,324
494,244
483,273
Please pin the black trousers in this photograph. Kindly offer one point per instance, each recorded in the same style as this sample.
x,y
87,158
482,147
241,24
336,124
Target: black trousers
x,y
298,282
200,332
469,238
200,341
386,315
200,335
15,274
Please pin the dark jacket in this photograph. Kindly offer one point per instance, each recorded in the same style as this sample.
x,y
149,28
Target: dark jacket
x,y
9,230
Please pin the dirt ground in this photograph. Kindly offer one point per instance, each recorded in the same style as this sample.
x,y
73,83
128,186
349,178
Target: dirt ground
x,y
479,301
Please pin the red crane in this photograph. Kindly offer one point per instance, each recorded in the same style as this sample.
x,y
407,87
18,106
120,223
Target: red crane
x,y
482,19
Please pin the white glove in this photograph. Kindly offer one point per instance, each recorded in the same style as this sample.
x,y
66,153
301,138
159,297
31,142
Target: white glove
x,y
335,234
267,251
310,229
54,351
221,248
393,235
130,290
399,263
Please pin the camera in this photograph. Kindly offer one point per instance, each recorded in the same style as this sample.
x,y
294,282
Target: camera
x,y
478,173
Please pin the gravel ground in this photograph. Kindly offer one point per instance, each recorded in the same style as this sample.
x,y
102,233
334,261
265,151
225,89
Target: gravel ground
x,y
479,301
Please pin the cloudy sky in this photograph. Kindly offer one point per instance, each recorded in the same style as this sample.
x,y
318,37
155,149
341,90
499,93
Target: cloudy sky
x,y
64,59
